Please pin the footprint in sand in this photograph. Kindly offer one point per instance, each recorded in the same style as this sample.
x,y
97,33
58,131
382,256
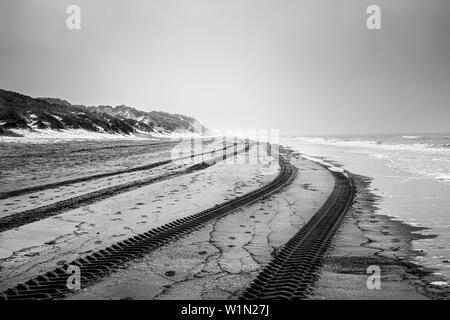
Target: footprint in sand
x,y
118,235
31,254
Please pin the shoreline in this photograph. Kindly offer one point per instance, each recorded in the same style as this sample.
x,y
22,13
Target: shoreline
x,y
367,238
364,238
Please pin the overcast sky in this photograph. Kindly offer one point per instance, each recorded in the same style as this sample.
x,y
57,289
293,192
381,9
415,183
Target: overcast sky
x,y
305,67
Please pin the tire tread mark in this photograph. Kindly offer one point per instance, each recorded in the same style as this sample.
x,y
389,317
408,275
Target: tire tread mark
x,y
93,267
19,192
28,216
295,268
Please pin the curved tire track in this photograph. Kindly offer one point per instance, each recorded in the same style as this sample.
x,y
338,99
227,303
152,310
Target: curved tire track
x,y
295,268
28,216
25,217
53,284
19,192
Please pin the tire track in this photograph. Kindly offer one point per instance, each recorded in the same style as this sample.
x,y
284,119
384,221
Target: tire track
x,y
293,271
19,192
159,145
28,216
54,284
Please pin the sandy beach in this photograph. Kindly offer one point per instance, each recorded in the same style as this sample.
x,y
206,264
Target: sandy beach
x,y
369,239
56,220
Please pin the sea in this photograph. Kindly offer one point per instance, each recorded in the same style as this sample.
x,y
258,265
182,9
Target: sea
x,y
410,173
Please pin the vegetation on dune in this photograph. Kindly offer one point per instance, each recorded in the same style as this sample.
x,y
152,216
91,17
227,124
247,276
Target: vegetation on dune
x,y
18,111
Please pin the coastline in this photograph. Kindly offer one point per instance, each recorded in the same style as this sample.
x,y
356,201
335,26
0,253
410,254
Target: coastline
x,y
368,239
365,238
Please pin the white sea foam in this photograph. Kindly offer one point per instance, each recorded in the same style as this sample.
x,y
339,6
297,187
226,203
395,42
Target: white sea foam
x,y
440,283
380,156
328,165
424,160
444,177
371,144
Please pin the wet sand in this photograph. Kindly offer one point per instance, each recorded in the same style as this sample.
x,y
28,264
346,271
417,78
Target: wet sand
x,y
368,239
42,245
221,259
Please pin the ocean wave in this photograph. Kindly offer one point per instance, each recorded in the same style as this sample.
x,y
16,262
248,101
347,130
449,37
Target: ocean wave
x,y
443,177
380,156
374,144
326,164
412,137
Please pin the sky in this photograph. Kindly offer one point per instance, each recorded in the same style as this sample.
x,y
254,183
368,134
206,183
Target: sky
x,y
306,67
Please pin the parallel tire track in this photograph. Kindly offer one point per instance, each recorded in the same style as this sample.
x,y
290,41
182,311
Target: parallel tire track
x,y
293,271
19,192
74,151
25,217
53,284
